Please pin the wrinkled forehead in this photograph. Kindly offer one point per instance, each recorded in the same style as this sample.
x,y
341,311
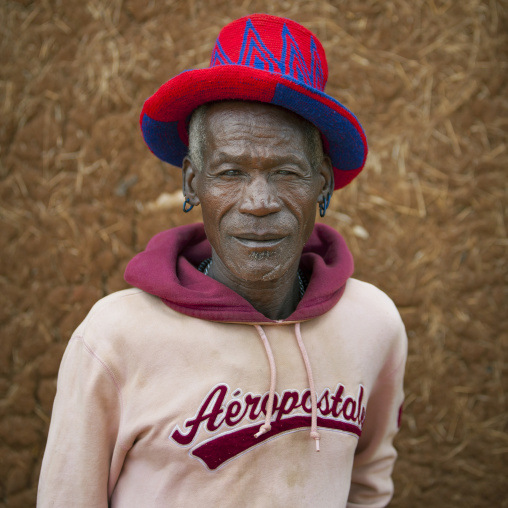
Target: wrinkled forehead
x,y
248,133
225,112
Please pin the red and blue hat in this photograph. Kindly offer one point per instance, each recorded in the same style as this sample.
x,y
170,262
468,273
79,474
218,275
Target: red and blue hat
x,y
266,59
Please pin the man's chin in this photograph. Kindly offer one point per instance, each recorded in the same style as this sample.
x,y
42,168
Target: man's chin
x,y
260,266
261,255
256,264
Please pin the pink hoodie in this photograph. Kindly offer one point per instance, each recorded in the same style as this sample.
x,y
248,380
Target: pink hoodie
x,y
180,393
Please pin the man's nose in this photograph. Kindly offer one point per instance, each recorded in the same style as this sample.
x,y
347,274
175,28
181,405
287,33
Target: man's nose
x,y
259,197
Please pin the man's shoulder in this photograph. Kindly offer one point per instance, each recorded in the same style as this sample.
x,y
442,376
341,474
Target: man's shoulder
x,y
120,310
370,321
367,306
120,301
368,295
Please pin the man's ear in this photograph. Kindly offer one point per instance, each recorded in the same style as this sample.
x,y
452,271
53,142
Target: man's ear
x,y
190,173
326,171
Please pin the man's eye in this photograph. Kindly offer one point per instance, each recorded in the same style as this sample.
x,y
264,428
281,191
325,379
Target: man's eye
x,y
285,172
230,172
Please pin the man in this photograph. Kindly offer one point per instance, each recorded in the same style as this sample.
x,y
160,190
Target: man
x,y
246,346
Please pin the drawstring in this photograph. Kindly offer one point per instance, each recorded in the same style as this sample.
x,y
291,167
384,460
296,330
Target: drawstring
x,y
313,427
266,427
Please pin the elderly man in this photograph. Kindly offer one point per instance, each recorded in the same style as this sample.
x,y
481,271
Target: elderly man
x,y
245,346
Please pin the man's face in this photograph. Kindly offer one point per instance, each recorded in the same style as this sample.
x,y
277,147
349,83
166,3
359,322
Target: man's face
x,y
257,189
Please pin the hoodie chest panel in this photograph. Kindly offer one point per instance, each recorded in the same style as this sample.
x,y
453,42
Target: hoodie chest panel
x,y
198,390
198,428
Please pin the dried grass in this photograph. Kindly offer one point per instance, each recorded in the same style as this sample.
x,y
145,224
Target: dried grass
x,y
426,221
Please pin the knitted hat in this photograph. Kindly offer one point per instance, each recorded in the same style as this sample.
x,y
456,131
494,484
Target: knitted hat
x,y
266,59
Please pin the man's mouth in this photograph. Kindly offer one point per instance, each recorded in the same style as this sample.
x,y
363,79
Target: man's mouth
x,y
253,241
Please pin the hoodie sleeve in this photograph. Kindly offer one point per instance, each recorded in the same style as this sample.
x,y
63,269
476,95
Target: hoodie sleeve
x,y
79,468
371,482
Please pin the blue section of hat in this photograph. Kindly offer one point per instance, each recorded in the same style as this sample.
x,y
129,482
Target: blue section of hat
x,y
164,140
346,151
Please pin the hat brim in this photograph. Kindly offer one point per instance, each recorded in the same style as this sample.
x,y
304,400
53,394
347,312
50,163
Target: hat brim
x,y
165,114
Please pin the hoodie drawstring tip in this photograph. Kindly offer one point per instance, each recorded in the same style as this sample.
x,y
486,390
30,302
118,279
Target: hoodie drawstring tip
x,y
263,430
316,436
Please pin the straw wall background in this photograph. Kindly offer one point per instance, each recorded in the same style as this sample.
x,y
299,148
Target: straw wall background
x,y
426,221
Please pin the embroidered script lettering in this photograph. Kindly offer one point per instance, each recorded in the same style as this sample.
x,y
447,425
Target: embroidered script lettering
x,y
291,411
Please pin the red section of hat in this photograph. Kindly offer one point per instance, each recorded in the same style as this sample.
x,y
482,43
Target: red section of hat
x,y
179,97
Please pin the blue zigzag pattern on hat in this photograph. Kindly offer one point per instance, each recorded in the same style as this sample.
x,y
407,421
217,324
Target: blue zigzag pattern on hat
x,y
254,53
219,57
295,63
316,68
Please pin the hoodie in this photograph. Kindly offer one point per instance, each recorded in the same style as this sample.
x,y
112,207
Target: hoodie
x,y
179,393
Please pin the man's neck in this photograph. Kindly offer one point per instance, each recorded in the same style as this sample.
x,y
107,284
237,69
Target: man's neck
x,y
275,299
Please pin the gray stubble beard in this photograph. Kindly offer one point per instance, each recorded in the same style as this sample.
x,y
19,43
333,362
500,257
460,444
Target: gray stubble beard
x,y
258,256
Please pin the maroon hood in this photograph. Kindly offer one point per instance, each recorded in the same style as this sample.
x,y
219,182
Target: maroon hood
x,y
167,269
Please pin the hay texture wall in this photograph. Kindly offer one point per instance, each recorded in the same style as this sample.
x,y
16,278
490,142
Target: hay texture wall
x,y
426,221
